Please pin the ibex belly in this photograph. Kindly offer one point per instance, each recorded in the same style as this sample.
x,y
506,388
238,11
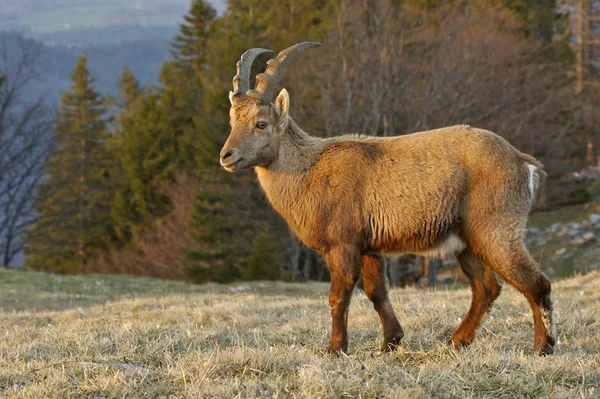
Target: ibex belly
x,y
426,243
428,230
452,244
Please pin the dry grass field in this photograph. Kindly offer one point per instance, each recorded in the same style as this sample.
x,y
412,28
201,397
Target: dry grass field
x,y
109,337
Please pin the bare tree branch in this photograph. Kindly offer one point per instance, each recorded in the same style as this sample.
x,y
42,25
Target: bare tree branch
x,y
25,140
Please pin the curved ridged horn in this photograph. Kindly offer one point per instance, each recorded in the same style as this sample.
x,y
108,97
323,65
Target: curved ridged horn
x,y
268,82
241,81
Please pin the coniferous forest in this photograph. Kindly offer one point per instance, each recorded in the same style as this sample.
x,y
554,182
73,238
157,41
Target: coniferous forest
x,y
131,184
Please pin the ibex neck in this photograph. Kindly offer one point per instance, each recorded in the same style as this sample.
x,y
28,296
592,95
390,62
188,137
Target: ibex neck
x,y
284,180
298,151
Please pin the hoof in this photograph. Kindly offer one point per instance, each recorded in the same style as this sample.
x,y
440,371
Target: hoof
x,y
545,350
458,343
392,342
337,351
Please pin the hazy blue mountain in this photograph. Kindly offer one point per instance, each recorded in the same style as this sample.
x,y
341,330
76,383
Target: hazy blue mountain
x,y
106,63
108,36
144,57
115,33
43,17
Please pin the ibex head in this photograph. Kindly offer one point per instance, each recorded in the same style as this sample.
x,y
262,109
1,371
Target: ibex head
x,y
256,122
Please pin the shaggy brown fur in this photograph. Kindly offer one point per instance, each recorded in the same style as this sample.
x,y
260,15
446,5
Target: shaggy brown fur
x,y
351,199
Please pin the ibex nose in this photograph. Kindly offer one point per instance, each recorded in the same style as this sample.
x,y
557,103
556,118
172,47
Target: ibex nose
x,y
226,155
229,157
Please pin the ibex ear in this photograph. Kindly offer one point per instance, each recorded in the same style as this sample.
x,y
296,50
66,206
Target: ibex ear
x,y
282,105
231,97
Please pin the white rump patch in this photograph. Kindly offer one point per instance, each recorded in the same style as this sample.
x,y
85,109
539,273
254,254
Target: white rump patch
x,y
533,181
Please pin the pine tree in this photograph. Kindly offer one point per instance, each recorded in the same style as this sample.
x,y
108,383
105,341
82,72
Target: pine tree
x,y
186,77
123,211
74,201
190,45
157,134
146,149
130,90
217,256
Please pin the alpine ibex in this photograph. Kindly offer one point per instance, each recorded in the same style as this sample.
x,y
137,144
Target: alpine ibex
x,y
351,198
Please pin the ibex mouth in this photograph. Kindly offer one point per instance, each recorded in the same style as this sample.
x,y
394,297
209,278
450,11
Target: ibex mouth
x,y
231,166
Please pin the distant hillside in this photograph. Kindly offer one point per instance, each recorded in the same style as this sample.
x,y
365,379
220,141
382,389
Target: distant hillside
x,y
40,17
144,57
114,33
108,36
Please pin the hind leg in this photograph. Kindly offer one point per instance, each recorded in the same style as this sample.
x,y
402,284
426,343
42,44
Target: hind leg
x,y
485,289
510,260
531,282
373,273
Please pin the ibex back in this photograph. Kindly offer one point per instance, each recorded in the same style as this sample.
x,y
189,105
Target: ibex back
x,y
351,199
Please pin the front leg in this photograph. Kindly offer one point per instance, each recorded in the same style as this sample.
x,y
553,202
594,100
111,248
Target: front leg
x,y
344,265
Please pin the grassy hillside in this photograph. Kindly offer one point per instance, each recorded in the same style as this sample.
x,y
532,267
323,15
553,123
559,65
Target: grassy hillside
x,y
99,336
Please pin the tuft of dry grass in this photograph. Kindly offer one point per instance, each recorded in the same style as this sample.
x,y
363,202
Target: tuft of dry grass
x,y
116,336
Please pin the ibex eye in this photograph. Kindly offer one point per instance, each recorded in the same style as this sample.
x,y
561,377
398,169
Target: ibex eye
x,y
261,125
